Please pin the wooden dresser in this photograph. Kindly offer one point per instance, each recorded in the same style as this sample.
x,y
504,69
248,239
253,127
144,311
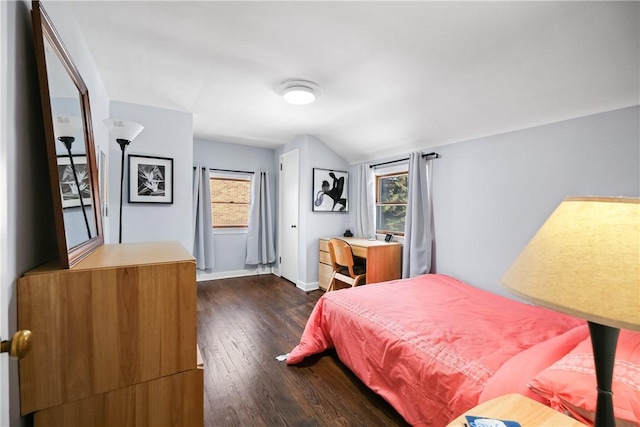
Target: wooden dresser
x,y
114,339
384,260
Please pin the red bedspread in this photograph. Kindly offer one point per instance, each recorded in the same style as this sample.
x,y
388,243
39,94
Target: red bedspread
x,y
429,344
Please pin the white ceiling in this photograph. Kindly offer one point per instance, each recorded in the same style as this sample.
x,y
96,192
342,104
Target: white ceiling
x,y
395,76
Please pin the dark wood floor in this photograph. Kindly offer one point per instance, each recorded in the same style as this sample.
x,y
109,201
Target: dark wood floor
x,y
243,324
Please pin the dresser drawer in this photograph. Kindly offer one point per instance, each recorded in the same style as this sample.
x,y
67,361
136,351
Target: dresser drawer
x,y
324,275
116,339
325,258
174,400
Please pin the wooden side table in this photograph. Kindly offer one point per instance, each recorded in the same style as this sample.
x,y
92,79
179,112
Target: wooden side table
x,y
516,407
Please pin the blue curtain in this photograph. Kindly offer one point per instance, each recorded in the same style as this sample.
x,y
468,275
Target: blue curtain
x,y
365,203
202,227
418,227
260,242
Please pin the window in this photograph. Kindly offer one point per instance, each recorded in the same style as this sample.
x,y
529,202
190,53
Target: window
x,y
230,198
391,202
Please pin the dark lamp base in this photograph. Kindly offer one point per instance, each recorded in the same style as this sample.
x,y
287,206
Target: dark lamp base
x,y
604,340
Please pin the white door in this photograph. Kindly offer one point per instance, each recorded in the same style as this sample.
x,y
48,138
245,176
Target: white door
x,y
289,194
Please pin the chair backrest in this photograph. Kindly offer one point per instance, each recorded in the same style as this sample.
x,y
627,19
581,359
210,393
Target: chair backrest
x,y
341,255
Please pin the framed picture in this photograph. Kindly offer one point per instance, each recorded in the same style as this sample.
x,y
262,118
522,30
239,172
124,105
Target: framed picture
x,y
330,190
150,179
72,189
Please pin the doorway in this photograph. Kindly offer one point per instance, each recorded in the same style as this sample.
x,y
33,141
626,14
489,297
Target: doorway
x,y
289,206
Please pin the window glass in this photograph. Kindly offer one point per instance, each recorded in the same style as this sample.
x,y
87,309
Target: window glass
x,y
230,199
391,202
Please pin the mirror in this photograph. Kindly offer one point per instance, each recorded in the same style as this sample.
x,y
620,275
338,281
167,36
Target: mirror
x,y
69,144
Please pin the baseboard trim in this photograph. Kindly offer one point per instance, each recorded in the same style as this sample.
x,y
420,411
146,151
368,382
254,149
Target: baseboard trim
x,y
307,287
203,276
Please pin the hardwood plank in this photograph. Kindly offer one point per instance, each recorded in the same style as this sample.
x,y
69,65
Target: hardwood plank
x,y
243,324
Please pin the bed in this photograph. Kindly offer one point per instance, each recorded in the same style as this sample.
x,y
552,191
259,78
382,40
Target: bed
x,y
433,346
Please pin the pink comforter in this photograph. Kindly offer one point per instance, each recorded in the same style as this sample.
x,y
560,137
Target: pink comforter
x,y
429,344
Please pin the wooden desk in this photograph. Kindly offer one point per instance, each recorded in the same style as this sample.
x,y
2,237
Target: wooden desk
x,y
384,260
516,407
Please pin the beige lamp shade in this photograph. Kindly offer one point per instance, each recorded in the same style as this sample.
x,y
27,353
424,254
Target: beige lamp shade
x,y
585,261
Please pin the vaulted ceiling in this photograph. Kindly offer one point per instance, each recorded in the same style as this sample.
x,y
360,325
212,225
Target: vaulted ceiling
x,y
394,76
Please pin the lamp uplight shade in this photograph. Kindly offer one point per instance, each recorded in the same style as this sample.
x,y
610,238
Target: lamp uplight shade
x,y
585,261
66,125
123,129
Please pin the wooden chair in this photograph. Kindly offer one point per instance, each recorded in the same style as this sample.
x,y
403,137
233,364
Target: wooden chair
x,y
344,267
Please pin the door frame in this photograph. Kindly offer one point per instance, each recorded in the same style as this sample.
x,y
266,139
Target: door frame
x,y
293,154
5,279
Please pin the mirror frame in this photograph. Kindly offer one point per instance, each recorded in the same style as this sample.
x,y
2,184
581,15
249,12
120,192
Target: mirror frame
x,y
43,27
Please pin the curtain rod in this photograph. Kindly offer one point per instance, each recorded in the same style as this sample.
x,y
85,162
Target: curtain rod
x,y
230,170
434,154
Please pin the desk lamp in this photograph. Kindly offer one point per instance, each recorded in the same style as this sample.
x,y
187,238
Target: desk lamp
x,y
124,131
585,262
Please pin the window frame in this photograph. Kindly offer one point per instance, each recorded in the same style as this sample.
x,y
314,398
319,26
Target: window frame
x,y
378,176
224,176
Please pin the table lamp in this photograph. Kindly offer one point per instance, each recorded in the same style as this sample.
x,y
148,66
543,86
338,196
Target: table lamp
x,y
585,262
124,132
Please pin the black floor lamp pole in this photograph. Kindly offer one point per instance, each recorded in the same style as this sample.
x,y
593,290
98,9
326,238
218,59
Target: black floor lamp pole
x,y
123,145
68,141
124,132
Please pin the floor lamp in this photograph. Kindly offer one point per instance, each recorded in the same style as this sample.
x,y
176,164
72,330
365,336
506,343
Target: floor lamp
x,y
585,261
124,132
65,127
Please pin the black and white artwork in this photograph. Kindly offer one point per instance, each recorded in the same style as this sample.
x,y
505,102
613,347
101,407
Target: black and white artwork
x,y
330,190
73,188
150,179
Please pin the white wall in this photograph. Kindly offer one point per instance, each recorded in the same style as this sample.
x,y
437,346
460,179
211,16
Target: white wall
x,y
319,224
27,230
168,134
492,194
230,245
313,225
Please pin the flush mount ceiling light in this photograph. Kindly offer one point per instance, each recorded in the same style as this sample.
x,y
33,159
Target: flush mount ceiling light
x,y
299,92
